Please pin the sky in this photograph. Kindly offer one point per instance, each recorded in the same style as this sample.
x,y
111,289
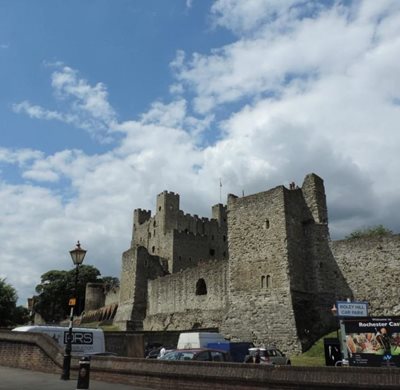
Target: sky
x,y
106,103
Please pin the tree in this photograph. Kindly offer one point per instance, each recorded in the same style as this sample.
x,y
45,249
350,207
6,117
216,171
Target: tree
x,y
57,287
372,231
10,313
8,300
110,283
21,315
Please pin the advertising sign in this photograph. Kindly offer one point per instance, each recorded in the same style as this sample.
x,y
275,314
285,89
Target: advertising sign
x,y
79,337
373,341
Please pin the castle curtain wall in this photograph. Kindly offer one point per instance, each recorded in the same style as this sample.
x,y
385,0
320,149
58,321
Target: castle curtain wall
x,y
176,302
371,267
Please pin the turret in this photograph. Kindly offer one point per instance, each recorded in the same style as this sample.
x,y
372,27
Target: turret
x,y
167,211
314,195
219,213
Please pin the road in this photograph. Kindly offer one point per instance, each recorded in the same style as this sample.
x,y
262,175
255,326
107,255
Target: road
x,y
18,379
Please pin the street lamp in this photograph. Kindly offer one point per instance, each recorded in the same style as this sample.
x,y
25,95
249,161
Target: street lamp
x,y
77,255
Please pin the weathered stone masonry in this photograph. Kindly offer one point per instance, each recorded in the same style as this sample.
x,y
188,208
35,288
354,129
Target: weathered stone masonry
x,y
262,268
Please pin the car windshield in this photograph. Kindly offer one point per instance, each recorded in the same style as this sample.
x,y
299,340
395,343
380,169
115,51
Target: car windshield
x,y
175,355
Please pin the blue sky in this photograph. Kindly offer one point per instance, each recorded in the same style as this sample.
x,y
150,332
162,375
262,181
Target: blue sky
x,y
104,104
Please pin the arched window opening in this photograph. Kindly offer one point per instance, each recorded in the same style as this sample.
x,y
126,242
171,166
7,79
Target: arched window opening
x,y
266,224
201,287
153,249
268,281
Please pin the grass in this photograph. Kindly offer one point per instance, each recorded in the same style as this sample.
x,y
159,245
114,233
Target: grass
x,y
315,356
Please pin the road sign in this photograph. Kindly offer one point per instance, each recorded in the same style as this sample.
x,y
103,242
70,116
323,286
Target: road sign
x,y
352,309
72,302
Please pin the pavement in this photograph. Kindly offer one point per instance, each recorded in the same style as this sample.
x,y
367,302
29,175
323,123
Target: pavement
x,y
19,379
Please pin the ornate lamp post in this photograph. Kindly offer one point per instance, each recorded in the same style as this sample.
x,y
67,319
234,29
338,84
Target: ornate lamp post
x,y
77,255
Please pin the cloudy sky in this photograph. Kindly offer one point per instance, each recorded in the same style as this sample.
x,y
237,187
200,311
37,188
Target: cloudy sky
x,y
106,103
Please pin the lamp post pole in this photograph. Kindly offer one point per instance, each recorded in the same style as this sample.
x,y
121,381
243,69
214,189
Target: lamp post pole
x,y
77,255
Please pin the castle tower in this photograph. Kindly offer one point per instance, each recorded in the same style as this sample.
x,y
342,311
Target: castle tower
x,y
260,305
219,213
139,217
94,296
167,211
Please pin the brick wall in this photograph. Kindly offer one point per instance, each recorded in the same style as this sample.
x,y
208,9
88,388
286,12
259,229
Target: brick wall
x,y
30,351
40,353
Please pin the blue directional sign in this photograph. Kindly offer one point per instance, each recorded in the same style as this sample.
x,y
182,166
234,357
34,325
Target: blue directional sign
x,y
352,309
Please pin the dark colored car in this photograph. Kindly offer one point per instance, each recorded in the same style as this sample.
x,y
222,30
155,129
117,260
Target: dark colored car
x,y
200,354
269,355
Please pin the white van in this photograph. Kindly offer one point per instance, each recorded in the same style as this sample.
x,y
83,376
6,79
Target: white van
x,y
84,340
189,340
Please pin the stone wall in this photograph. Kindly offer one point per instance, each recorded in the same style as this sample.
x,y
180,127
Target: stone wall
x,y
315,278
260,302
179,301
112,296
94,296
371,267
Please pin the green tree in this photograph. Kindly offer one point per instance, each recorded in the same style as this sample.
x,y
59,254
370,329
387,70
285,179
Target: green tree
x,y
8,301
21,316
57,287
110,283
371,231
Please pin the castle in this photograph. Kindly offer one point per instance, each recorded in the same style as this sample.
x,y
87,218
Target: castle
x,y
262,269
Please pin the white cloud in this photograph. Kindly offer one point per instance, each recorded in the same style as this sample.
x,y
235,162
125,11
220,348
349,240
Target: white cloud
x,y
38,112
20,156
87,106
88,99
314,90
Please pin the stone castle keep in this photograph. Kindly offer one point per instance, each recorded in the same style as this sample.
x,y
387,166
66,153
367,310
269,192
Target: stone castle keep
x,y
262,269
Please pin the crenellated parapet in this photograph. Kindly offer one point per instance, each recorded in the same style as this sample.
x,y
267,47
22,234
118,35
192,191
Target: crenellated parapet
x,y
141,216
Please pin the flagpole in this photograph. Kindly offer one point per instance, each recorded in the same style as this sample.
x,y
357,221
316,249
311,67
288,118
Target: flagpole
x,y
220,190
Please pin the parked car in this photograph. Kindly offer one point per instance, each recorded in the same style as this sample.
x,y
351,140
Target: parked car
x,y
197,354
270,355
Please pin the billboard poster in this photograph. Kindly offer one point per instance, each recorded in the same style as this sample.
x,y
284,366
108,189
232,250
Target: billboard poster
x,y
373,341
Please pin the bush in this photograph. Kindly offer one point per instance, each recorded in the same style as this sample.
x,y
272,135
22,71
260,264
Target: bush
x,y
372,231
